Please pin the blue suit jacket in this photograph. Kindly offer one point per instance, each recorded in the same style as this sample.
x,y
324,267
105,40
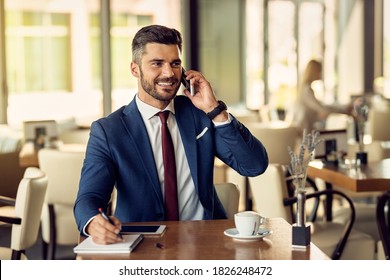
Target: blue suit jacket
x,y
119,153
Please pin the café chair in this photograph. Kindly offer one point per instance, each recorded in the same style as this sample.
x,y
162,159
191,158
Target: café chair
x,y
241,182
377,124
75,136
247,118
229,196
383,220
276,138
7,202
25,219
58,224
338,241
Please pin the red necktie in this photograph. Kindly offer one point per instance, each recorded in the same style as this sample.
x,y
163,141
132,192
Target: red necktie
x,y
170,183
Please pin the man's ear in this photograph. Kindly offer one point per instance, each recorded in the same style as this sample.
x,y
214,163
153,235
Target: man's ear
x,y
134,69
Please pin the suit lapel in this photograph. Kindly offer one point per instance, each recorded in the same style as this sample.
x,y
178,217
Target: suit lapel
x,y
186,124
138,135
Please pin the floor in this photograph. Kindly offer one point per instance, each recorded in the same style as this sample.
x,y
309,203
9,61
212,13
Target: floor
x,y
35,252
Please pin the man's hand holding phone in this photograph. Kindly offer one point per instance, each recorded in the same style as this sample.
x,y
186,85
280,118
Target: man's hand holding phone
x,y
204,99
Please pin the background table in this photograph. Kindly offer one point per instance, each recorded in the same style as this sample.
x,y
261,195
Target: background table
x,y
28,155
203,240
374,176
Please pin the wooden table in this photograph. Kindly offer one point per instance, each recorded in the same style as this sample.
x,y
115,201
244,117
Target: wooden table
x,y
28,155
205,240
374,176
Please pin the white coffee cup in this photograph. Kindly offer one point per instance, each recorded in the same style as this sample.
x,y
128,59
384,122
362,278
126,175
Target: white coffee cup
x,y
248,222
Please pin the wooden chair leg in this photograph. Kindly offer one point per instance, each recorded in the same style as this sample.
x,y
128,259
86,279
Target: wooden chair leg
x,y
51,251
53,234
16,255
44,249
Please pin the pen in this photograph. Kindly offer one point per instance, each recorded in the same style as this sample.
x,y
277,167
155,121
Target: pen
x,y
109,220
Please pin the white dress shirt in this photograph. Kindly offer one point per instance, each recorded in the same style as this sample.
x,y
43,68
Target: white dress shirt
x,y
190,207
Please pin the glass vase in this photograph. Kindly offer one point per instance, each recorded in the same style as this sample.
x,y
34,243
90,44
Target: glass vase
x,y
301,235
301,211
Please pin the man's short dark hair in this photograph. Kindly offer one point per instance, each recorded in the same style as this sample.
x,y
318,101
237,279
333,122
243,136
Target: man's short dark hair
x,y
154,34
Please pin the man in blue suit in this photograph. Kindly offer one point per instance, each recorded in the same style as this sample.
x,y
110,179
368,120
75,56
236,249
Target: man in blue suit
x,y
124,149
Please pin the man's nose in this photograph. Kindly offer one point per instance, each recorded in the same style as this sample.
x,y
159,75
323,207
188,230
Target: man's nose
x,y
167,70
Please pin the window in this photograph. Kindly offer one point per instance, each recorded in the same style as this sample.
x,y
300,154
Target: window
x,y
254,54
282,53
53,55
386,49
123,28
48,56
281,37
311,33
38,52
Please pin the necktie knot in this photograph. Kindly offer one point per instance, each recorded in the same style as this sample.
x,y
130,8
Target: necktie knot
x,y
163,116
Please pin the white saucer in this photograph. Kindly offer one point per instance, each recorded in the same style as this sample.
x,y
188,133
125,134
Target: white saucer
x,y
232,232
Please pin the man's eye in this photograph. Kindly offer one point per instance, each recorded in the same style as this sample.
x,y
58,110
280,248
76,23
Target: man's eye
x,y
176,64
156,63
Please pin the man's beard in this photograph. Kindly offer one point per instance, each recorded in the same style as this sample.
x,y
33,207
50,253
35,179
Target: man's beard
x,y
150,88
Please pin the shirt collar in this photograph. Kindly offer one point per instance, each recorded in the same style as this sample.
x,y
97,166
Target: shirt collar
x,y
147,111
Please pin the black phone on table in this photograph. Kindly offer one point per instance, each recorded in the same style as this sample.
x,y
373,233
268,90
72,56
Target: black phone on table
x,y
144,229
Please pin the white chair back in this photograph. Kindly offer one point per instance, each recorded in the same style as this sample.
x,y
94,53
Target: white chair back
x,y
64,170
268,190
28,206
248,118
377,124
276,139
75,136
229,196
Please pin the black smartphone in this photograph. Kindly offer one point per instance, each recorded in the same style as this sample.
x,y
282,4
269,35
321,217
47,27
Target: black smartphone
x,y
186,83
144,229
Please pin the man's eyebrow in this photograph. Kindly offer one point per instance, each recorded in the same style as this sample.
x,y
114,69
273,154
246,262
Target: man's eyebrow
x,y
156,60
162,60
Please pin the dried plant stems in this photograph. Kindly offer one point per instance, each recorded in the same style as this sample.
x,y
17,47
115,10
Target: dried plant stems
x,y
300,161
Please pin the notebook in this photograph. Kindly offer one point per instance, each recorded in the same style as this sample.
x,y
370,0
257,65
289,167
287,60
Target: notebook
x,y
87,246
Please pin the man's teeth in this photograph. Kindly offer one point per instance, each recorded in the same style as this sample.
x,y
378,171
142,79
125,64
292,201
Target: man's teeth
x,y
165,84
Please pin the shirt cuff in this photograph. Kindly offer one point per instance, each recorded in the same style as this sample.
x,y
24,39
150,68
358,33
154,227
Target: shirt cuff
x,y
229,120
85,227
